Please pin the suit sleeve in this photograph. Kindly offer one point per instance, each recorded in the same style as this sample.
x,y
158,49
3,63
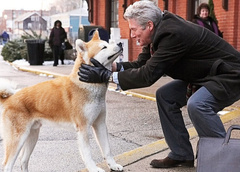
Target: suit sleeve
x,y
170,49
143,57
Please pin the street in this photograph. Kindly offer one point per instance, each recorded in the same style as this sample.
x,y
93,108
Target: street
x,y
132,122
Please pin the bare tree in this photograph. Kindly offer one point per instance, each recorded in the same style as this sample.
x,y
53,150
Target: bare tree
x,y
67,5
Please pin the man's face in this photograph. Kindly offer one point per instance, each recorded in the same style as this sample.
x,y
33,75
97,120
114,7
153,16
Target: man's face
x,y
143,36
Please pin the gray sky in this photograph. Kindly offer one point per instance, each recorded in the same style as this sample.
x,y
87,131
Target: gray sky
x,y
25,4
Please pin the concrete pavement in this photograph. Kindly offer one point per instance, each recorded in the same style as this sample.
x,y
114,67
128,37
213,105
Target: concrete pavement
x,y
139,159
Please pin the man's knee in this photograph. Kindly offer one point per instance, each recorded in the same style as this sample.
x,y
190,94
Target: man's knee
x,y
194,108
159,95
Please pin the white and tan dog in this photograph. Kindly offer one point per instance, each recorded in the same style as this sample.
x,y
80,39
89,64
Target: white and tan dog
x,y
65,101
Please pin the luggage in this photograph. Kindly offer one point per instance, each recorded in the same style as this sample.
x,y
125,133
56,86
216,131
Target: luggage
x,y
219,154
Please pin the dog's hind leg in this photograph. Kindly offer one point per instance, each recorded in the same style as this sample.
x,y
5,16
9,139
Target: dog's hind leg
x,y
101,134
27,148
84,148
11,152
13,140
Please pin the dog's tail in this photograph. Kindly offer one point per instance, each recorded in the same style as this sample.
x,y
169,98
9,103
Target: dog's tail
x,y
7,88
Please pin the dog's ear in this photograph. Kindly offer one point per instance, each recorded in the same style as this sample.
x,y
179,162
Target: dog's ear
x,y
96,35
80,46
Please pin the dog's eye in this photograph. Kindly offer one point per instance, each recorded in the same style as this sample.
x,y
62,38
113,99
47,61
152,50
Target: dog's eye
x,y
104,47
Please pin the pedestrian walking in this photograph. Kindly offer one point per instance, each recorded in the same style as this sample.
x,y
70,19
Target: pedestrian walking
x,y
201,63
5,37
56,42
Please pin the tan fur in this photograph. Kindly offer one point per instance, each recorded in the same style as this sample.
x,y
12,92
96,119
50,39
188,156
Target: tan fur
x,y
64,100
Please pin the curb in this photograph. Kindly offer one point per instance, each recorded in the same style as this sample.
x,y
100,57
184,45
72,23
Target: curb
x,y
145,151
131,93
36,71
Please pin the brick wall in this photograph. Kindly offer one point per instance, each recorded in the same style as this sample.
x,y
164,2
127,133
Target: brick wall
x,y
99,13
229,21
178,7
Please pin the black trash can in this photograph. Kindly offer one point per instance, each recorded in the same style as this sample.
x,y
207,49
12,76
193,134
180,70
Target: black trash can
x,y
83,31
35,48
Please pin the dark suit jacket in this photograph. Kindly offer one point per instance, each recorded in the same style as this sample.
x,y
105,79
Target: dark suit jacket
x,y
188,52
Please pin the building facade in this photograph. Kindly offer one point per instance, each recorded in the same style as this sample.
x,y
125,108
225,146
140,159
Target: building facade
x,y
30,21
109,14
8,17
71,21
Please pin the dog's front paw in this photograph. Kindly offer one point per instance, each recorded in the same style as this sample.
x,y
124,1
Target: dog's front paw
x,y
116,167
100,170
97,169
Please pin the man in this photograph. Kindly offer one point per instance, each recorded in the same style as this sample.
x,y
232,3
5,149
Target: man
x,y
195,58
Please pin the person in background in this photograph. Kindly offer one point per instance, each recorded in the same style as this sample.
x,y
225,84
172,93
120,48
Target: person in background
x,y
203,19
205,70
5,37
56,42
1,41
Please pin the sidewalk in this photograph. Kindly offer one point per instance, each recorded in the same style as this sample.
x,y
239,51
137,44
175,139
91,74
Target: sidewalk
x,y
138,160
62,70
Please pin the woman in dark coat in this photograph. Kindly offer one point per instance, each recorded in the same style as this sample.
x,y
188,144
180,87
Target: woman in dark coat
x,y
56,39
193,56
203,19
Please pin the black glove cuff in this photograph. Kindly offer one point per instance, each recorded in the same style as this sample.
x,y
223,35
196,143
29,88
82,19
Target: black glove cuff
x,y
111,78
119,67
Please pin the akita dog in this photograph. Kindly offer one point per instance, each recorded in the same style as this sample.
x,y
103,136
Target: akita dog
x,y
65,101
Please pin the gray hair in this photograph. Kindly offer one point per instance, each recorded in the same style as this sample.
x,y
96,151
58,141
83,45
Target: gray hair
x,y
142,12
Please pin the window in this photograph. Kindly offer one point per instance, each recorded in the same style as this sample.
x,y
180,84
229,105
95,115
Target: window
x,y
14,14
20,26
34,18
29,25
114,13
198,2
192,8
165,5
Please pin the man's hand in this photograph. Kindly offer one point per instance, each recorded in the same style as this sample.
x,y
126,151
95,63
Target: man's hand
x,y
94,74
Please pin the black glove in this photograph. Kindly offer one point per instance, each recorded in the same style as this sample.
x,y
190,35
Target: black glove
x,y
94,74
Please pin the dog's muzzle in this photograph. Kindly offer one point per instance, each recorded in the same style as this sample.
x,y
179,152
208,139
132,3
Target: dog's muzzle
x,y
119,52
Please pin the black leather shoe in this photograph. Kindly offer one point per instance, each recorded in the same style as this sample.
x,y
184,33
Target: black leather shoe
x,y
169,163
